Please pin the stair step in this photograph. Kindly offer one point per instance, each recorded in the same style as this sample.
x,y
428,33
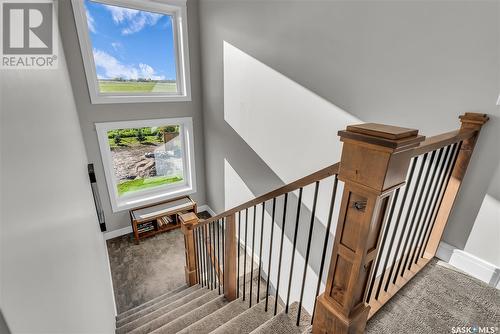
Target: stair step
x,y
166,295
217,318
161,311
176,313
247,321
154,306
286,323
192,317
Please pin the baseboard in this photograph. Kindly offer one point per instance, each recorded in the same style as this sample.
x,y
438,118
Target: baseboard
x,y
128,229
469,264
206,208
117,233
108,266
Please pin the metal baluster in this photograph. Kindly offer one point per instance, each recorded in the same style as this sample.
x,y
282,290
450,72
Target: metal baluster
x,y
202,255
325,242
223,249
420,210
297,218
313,216
410,205
245,255
422,225
211,248
393,237
216,276
238,264
270,254
253,248
205,242
456,151
218,253
196,252
260,248
280,254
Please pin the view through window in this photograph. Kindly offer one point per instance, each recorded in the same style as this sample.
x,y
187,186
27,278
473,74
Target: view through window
x,y
147,157
134,50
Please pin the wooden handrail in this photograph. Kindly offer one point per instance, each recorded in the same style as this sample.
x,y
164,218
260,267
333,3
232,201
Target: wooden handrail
x,y
428,145
302,182
436,142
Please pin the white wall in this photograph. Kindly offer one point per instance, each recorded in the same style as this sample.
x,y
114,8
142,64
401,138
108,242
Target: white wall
x,y
237,192
54,277
416,64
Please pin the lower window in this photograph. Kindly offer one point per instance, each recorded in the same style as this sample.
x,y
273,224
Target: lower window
x,y
147,161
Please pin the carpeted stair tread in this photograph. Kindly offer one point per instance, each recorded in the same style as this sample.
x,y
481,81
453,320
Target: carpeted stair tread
x,y
286,323
161,311
143,311
217,318
150,302
247,321
176,313
192,317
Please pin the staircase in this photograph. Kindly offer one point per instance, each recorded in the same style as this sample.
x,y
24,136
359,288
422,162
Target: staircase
x,y
393,190
200,309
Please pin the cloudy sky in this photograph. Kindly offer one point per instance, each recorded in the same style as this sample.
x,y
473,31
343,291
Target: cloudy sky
x,y
129,43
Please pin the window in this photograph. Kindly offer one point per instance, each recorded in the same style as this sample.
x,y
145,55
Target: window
x,y
147,161
134,50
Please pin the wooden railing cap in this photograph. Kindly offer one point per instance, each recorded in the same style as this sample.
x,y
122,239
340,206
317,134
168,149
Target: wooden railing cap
x,y
189,218
474,118
390,136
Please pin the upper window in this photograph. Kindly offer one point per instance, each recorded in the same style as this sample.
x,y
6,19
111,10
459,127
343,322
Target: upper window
x,y
134,50
145,161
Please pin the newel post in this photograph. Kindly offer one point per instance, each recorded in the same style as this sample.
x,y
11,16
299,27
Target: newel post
x,y
374,163
470,121
188,222
230,258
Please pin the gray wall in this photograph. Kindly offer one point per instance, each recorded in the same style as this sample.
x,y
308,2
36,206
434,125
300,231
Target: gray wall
x,y
55,276
413,64
92,113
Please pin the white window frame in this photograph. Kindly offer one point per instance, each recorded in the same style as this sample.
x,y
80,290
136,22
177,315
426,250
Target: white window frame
x,y
175,8
148,196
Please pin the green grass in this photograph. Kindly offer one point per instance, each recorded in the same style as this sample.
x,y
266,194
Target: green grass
x,y
150,182
132,141
108,86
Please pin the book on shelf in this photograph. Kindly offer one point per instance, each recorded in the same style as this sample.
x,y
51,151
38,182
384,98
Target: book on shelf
x,y
145,227
163,221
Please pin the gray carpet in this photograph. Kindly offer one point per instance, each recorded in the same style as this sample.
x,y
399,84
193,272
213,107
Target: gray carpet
x,y
148,270
437,299
145,271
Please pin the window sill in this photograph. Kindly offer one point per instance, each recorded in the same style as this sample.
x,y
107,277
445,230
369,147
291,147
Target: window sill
x,y
152,198
104,99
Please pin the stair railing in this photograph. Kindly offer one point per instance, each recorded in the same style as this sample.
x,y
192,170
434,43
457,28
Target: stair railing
x,y
398,192
242,258
381,245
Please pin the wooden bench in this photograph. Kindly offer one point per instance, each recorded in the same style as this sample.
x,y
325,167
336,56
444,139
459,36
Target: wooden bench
x,y
152,219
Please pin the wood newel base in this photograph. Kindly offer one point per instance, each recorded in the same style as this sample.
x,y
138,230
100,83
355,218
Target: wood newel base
x,y
188,222
230,258
374,163
328,319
